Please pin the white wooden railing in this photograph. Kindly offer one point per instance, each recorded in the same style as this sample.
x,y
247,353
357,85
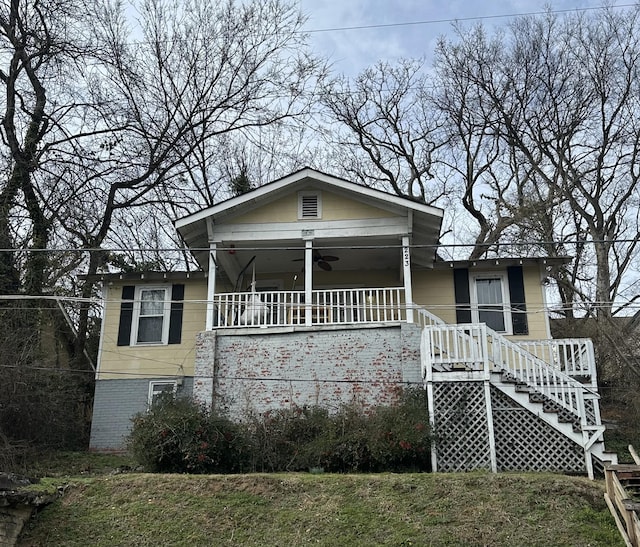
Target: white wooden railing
x,y
574,356
327,307
475,347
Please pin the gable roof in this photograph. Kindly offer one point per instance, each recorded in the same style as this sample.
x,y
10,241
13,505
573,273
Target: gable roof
x,y
272,190
426,220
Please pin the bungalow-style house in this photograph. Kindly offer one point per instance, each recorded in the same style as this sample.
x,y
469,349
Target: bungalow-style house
x,y
317,291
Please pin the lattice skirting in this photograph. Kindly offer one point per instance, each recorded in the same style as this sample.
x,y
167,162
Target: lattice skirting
x,y
461,426
526,443
523,441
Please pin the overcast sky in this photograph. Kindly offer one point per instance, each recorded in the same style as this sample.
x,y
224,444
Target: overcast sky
x,y
352,50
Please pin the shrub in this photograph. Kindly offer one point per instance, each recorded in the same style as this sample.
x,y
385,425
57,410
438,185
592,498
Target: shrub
x,y
386,438
181,436
177,436
283,440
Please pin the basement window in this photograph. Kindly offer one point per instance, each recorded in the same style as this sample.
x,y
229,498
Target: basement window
x,y
309,205
161,389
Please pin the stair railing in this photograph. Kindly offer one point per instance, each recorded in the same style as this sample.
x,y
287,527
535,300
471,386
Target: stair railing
x,y
523,366
467,344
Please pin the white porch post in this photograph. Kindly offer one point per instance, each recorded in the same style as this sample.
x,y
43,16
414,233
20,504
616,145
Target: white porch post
x,y
308,281
486,371
211,280
406,276
211,287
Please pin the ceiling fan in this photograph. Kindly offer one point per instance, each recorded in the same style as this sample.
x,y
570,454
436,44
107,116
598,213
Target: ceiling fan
x,y
321,260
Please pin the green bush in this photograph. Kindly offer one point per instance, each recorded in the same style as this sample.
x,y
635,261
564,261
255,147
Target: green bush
x,y
181,436
178,436
385,438
283,440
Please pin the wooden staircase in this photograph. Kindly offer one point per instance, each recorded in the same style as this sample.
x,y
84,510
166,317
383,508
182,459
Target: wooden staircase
x,y
477,355
584,430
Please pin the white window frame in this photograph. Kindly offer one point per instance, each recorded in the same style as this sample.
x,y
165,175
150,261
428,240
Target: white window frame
x,y
165,315
506,298
318,197
157,392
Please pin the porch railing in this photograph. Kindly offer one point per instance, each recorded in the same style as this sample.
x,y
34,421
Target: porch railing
x,y
476,347
573,356
327,307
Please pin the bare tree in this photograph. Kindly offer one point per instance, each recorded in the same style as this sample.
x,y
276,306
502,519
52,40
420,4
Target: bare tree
x,y
562,96
392,132
101,117
199,71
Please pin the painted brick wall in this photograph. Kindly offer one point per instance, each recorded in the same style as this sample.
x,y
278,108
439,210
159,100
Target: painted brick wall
x,y
115,403
255,373
258,372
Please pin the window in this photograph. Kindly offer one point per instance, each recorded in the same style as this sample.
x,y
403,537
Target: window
x,y
151,315
158,389
490,302
309,205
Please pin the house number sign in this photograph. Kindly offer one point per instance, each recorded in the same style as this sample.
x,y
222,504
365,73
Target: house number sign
x,y
405,251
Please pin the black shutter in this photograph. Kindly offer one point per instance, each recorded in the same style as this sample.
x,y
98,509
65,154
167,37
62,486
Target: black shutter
x,y
462,295
126,315
175,316
518,306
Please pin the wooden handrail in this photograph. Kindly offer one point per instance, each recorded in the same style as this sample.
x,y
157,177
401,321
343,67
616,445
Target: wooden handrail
x,y
622,499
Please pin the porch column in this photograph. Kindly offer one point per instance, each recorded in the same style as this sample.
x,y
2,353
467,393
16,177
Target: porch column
x,y
308,281
211,287
211,280
406,276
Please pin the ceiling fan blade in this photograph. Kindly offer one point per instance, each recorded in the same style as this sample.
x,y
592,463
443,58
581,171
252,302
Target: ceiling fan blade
x,y
324,265
298,260
329,258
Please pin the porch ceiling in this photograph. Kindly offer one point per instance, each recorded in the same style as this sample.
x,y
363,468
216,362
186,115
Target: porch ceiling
x,y
287,256
360,243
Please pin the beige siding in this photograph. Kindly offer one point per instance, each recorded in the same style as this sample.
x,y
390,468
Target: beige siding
x,y
434,291
128,362
281,210
334,207
536,312
334,279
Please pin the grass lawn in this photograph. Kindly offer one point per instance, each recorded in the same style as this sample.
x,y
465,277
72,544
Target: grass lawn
x,y
325,509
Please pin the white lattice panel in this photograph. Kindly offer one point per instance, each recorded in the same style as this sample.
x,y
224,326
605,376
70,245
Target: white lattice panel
x,y
526,443
461,426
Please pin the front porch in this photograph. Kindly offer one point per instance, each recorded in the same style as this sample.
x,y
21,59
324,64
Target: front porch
x,y
494,402
325,307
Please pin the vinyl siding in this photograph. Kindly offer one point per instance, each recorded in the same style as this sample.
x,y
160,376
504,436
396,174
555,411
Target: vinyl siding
x,y
152,361
334,207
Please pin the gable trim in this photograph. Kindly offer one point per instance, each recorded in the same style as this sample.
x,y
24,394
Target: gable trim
x,y
262,191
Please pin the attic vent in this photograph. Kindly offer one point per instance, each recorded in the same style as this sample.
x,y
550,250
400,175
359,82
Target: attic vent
x,y
309,205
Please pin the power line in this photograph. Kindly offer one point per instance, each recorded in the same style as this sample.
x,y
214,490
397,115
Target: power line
x,y
536,243
587,304
151,377
462,19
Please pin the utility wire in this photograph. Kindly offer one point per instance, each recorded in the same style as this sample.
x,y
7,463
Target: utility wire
x,y
537,243
462,19
151,376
